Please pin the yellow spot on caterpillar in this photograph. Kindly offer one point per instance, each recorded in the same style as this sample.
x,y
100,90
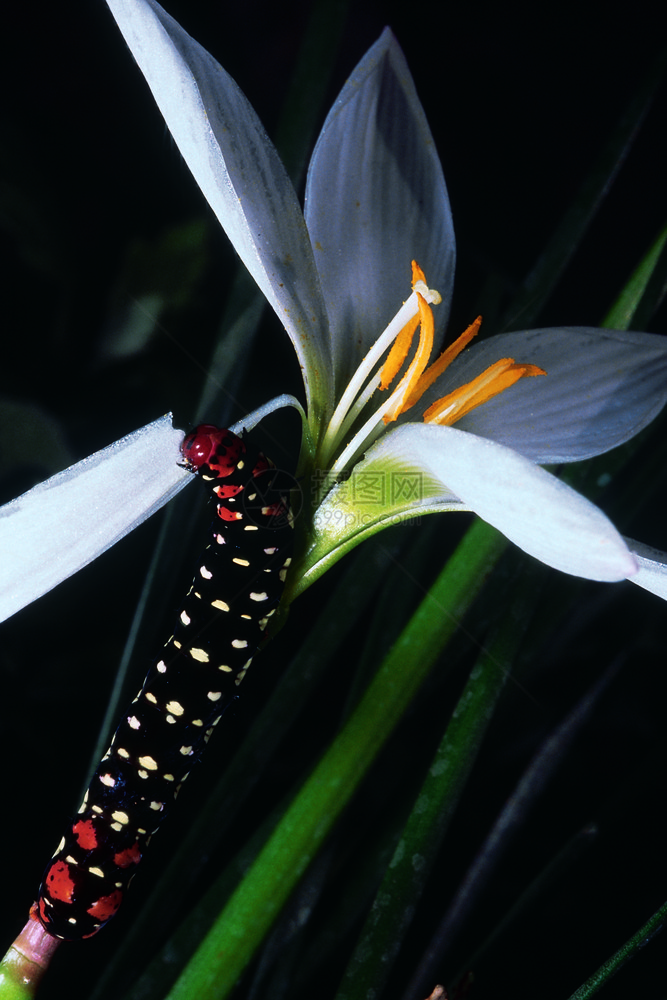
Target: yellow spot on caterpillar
x,y
161,667
60,846
175,707
177,644
148,763
169,777
248,617
170,719
220,605
197,722
97,810
239,677
199,654
206,573
226,669
186,751
151,697
239,643
258,596
214,695
142,774
71,920
157,806
116,826
271,550
185,617
220,539
120,817
70,859
133,722
96,871
108,780
123,753
251,527
282,575
241,562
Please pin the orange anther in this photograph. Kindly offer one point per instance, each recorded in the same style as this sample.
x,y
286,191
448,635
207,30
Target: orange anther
x,y
494,380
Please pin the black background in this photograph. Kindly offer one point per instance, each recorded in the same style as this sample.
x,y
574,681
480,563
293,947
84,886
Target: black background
x,y
520,101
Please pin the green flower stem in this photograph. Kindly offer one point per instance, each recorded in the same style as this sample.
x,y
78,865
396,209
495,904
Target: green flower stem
x,y
245,920
623,955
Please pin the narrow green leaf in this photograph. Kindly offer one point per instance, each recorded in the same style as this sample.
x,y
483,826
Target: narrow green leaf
x,y
644,291
511,818
410,867
623,955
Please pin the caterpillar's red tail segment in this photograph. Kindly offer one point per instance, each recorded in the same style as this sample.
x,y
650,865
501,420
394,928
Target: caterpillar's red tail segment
x,y
237,587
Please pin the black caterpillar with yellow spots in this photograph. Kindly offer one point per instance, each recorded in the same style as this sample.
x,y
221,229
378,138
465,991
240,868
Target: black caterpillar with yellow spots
x,y
236,589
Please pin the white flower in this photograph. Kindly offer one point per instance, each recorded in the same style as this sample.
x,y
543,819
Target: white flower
x,y
336,275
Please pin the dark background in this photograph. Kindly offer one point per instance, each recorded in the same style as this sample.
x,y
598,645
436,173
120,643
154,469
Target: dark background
x,y
520,101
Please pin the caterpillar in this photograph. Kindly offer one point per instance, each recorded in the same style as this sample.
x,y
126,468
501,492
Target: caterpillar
x,y
237,587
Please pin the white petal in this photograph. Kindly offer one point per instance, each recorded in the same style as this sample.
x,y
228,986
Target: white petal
x,y
601,388
375,200
536,511
250,421
64,523
238,170
652,573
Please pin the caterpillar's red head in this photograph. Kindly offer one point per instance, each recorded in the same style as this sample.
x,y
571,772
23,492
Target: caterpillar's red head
x,y
213,451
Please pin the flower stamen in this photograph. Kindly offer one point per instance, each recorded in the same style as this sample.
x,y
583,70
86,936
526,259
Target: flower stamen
x,y
435,370
355,396
407,384
498,377
398,353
